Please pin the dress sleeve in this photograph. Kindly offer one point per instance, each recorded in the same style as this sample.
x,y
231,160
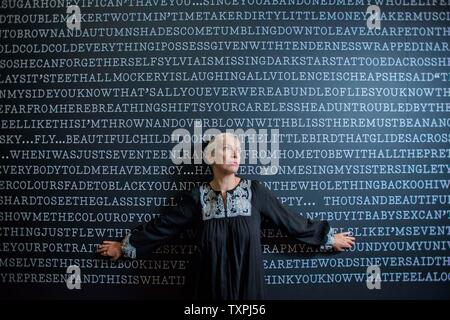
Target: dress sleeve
x,y
148,236
313,232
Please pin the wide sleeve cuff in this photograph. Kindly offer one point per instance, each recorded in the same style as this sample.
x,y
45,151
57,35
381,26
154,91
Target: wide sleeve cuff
x,y
128,250
330,239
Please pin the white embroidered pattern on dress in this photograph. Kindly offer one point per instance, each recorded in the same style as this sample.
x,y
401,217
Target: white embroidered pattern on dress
x,y
238,201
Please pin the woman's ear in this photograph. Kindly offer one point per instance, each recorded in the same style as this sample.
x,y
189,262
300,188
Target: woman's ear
x,y
208,154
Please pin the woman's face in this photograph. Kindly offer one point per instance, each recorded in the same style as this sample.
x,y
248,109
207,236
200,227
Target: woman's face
x,y
228,155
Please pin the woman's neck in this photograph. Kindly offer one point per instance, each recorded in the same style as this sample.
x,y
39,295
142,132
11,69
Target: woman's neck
x,y
224,182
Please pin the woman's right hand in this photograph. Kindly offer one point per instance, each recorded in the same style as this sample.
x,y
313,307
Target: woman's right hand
x,y
111,249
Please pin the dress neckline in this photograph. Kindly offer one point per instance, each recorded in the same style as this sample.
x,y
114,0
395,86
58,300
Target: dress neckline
x,y
231,190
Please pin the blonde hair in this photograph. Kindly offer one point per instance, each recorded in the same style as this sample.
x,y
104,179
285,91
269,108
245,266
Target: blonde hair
x,y
214,143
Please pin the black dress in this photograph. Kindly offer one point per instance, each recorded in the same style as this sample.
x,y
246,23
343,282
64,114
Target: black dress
x,y
229,244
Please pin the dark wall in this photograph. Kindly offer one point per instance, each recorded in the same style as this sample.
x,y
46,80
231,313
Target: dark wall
x,y
87,115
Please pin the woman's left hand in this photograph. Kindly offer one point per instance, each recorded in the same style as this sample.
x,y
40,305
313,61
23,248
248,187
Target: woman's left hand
x,y
343,241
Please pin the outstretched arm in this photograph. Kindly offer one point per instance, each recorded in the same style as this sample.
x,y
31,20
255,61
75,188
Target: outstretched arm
x,y
150,235
314,232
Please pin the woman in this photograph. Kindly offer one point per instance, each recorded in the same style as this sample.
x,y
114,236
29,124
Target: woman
x,y
228,212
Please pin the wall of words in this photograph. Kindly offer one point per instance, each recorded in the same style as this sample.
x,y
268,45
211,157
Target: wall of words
x,y
357,93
